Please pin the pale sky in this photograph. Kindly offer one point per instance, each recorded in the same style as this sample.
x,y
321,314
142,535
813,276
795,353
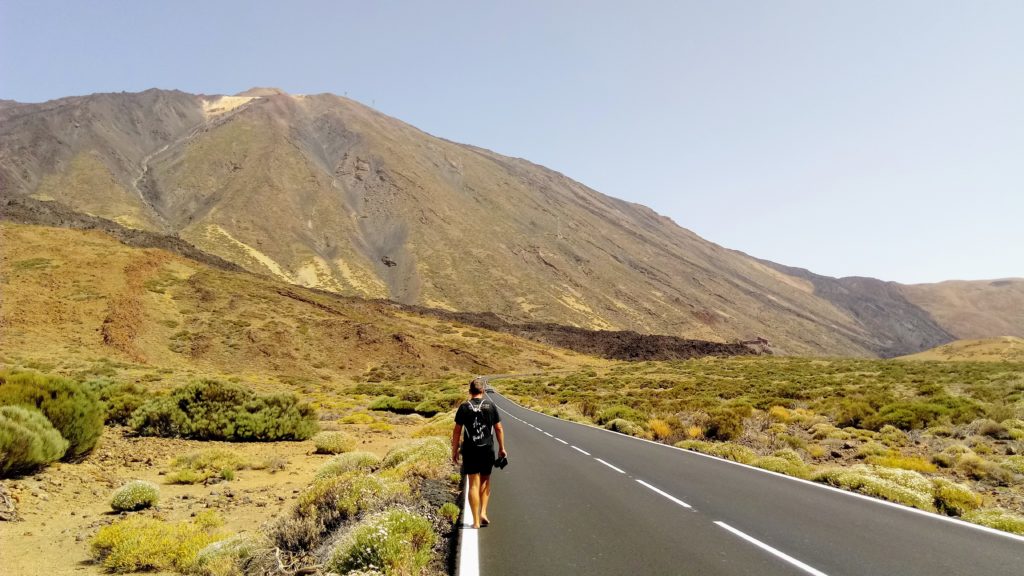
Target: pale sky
x,y
879,139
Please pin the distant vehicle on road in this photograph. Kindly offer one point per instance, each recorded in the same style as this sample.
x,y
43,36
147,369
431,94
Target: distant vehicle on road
x,y
489,388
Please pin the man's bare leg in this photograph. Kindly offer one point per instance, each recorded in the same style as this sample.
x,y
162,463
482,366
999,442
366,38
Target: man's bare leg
x,y
474,498
485,495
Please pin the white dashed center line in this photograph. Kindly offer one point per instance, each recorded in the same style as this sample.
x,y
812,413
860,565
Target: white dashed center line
x,y
581,450
665,494
619,470
562,441
548,434
772,551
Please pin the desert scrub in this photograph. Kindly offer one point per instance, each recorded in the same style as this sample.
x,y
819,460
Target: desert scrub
x,y
1014,464
140,543
915,463
618,412
786,462
998,519
135,495
900,486
978,468
358,418
201,465
395,542
449,511
366,461
954,499
328,503
227,557
333,442
74,410
426,458
440,425
27,441
212,410
623,426
729,451
120,400
660,430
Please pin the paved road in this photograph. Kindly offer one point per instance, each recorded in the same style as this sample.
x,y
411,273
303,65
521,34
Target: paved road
x,y
578,500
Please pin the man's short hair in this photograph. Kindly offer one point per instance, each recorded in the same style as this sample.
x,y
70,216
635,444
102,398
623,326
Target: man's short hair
x,y
476,385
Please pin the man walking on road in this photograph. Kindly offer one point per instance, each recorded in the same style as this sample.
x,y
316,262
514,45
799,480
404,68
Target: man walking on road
x,y
477,423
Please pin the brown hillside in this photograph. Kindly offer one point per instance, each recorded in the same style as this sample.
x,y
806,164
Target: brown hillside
x,y
323,192
1005,349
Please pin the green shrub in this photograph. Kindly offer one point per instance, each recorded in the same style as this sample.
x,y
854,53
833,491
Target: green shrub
x,y
75,411
348,462
211,410
624,426
619,412
333,442
428,408
450,511
120,401
397,541
327,503
440,425
852,413
135,495
426,458
954,499
725,424
393,404
783,465
734,452
998,519
27,441
227,557
906,415
872,482
978,468
139,543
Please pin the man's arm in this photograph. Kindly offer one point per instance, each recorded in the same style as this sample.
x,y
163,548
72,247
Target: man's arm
x,y
499,431
456,436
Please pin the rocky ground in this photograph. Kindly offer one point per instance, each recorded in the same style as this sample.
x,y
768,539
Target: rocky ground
x,y
60,508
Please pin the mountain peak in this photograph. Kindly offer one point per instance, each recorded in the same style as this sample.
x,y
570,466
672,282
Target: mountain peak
x,y
263,91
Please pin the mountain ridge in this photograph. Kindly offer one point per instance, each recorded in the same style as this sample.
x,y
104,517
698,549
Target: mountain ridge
x,y
322,191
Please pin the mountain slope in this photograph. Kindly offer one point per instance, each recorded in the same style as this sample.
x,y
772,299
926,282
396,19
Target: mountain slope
x,y
1005,349
324,192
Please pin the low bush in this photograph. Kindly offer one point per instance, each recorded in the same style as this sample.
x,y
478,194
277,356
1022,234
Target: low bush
x,y
348,462
426,458
906,415
135,495
396,542
211,410
660,429
783,465
725,424
393,404
139,543
871,482
440,425
333,442
74,410
954,499
978,468
27,441
202,465
229,557
915,463
998,519
322,507
734,452
624,426
1014,464
450,511
120,400
618,412
358,418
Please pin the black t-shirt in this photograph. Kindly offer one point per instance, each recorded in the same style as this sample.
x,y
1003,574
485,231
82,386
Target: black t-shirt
x,y
477,417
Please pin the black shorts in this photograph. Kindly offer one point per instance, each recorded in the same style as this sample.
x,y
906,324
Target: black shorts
x,y
477,460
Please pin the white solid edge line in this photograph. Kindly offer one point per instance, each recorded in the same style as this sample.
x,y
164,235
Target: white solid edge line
x,y
665,494
469,553
773,551
580,450
617,469
562,441
932,515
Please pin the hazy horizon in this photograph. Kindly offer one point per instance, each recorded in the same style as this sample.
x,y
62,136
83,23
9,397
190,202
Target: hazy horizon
x,y
876,139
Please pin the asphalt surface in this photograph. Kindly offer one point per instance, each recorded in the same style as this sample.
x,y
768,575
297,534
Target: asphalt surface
x,y
652,509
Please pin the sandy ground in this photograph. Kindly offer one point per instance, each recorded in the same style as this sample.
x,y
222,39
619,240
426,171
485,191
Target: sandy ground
x,y
63,506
